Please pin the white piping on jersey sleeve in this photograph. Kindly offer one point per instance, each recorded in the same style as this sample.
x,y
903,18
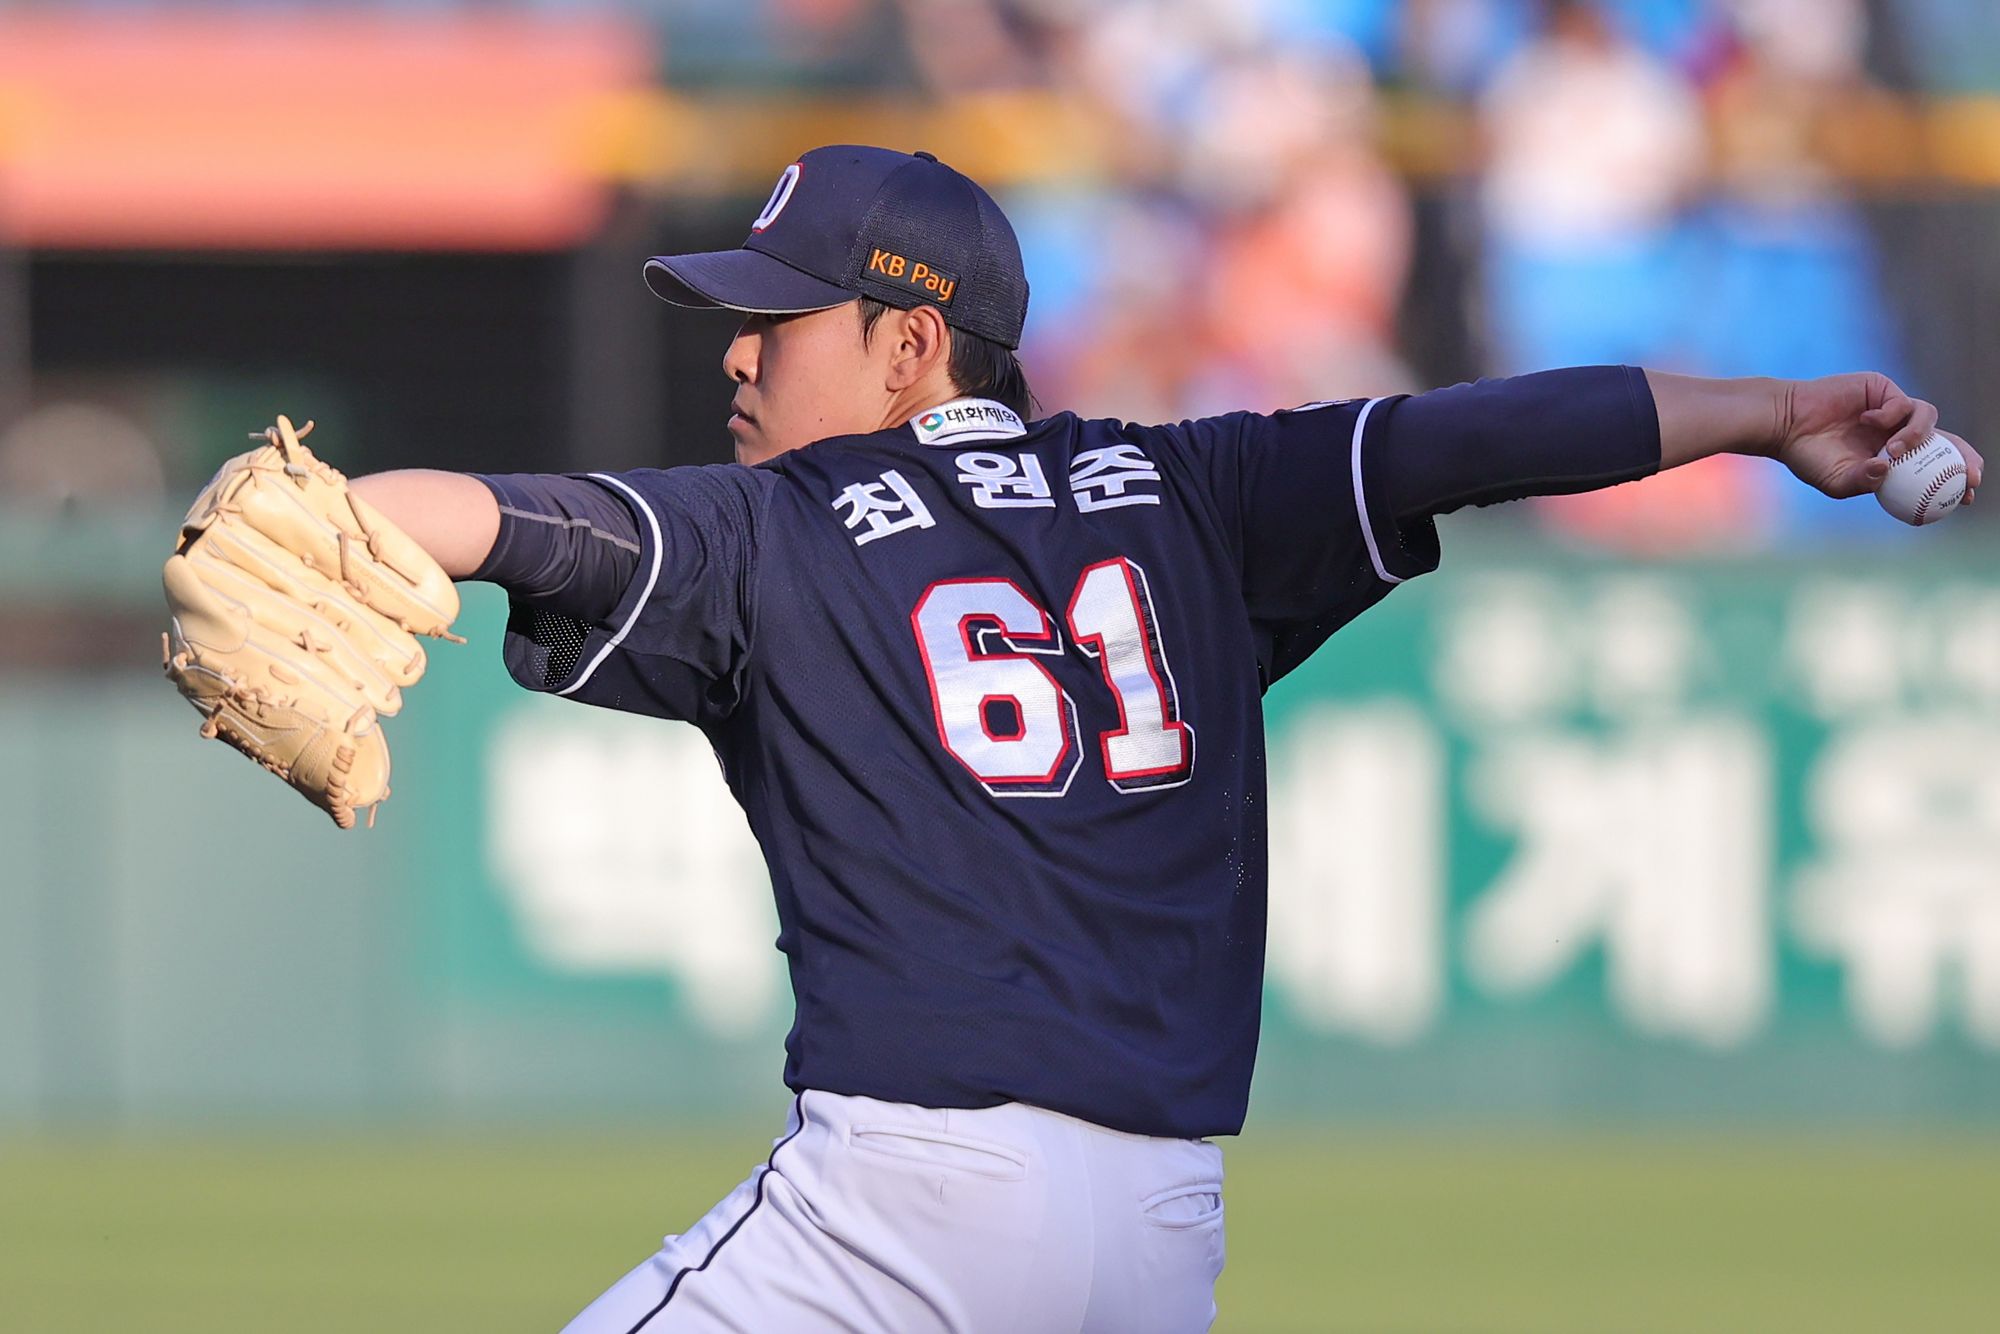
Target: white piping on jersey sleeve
x,y
652,578
1361,500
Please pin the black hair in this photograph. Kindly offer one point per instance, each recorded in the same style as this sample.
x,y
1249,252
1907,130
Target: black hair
x,y
980,367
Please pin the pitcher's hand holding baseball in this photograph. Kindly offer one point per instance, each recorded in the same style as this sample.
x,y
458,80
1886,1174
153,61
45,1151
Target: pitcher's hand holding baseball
x,y
1842,433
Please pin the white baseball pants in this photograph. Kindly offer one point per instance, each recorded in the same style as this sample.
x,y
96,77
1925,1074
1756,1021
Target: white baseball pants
x,y
884,1218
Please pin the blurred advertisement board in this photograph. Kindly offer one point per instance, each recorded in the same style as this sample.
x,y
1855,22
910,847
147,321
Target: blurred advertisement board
x,y
1549,838
1697,814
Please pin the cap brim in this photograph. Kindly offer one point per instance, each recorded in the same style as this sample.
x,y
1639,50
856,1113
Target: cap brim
x,y
746,280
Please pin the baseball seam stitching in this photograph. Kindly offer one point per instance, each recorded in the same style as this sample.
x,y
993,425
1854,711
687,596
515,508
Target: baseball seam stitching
x,y
1937,485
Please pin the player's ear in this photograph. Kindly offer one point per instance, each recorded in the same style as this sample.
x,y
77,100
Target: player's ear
x,y
923,344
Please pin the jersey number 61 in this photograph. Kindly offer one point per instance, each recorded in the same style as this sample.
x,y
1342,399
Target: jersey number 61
x,y
1003,715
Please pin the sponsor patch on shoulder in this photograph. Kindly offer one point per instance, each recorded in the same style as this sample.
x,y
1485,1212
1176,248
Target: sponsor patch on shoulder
x,y
966,419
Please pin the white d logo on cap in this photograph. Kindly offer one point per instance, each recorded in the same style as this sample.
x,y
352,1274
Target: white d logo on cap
x,y
781,195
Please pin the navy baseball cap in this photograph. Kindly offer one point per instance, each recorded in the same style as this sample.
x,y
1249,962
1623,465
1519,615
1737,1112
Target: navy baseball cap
x,y
850,221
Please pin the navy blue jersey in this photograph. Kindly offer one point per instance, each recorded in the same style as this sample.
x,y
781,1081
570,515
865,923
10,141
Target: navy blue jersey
x,y
991,700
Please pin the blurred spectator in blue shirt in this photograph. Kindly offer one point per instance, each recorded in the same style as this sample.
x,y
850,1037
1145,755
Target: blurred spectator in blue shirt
x,y
1595,150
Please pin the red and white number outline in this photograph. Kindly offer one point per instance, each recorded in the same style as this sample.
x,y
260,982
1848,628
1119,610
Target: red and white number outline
x,y
1025,631
1021,723
975,629
1166,694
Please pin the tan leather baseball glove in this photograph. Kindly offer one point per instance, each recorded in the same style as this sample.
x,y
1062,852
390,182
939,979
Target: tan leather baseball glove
x,y
295,610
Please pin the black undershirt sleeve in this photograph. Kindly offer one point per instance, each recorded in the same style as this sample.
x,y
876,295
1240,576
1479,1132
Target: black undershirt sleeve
x,y
566,544
1550,433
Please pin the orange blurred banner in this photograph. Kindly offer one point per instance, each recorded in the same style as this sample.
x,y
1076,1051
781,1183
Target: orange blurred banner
x,y
307,131
477,131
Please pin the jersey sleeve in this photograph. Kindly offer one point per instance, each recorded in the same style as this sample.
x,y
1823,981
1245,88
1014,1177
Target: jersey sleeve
x,y
1301,498
566,544
1547,434
677,642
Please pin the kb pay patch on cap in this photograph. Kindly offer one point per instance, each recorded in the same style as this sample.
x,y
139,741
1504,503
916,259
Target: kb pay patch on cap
x,y
892,267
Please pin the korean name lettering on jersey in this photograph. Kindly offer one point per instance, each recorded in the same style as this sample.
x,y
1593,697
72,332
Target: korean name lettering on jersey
x,y
1102,479
883,507
1005,481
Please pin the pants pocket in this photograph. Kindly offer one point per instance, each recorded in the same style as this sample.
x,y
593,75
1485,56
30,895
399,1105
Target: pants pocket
x,y
1195,1204
939,1149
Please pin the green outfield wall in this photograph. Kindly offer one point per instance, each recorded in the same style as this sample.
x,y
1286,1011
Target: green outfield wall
x,y
1552,838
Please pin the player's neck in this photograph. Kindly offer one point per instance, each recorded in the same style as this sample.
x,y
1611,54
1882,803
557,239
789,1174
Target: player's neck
x,y
920,397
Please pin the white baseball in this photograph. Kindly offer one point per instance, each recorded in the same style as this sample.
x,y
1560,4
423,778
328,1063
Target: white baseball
x,y
1925,484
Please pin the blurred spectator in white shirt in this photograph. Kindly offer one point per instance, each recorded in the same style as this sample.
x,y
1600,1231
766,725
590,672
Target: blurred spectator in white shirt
x,y
1592,140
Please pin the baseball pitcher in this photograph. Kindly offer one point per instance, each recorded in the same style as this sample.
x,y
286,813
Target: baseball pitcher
x,y
987,685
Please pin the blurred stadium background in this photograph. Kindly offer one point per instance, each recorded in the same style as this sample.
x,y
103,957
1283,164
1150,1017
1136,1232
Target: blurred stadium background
x,y
1636,907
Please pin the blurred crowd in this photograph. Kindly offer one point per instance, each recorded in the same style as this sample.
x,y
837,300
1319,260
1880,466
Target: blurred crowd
x,y
1649,186
1641,181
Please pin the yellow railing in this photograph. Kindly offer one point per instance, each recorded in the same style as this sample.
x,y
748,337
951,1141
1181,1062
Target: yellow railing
x,y
711,145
